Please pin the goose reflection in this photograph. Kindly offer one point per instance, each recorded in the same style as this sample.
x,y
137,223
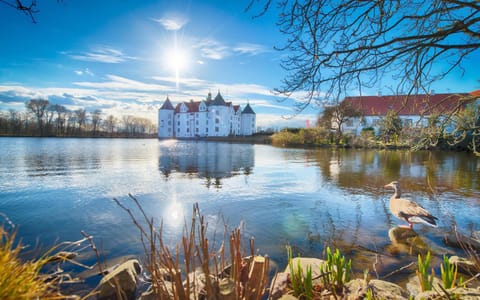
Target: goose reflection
x,y
405,240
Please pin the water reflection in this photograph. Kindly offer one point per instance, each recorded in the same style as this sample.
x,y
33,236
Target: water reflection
x,y
430,172
404,240
305,198
207,160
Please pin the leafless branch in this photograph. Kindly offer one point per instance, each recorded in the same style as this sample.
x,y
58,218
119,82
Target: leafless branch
x,y
338,47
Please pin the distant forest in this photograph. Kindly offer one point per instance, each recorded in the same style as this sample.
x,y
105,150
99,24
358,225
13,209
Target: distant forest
x,y
46,119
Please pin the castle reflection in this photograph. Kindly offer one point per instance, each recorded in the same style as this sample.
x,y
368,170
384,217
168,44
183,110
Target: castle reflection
x,y
212,161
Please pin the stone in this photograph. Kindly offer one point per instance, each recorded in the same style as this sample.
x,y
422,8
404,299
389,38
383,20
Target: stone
x,y
288,297
456,293
387,290
226,288
198,283
150,294
379,289
413,285
463,264
279,285
121,281
305,262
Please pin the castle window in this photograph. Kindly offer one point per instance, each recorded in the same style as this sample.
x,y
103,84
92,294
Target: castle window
x,y
216,129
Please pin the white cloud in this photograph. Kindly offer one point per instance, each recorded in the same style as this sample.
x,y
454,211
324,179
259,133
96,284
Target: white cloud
x,y
102,54
120,96
250,49
212,49
121,83
186,83
85,71
172,23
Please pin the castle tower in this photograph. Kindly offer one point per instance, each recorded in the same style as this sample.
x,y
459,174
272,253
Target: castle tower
x,y
248,121
165,120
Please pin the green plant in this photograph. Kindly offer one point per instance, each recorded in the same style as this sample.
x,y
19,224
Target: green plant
x,y
302,283
425,279
337,270
449,273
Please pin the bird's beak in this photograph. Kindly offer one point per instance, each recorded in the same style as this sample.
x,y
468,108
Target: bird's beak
x,y
387,186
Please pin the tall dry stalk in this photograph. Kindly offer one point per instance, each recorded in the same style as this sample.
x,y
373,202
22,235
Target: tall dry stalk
x,y
175,275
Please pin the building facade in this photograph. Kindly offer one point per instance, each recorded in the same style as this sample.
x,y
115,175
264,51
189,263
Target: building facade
x,y
206,118
413,110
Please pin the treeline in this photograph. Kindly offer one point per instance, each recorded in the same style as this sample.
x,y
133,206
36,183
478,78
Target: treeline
x,y
43,118
458,131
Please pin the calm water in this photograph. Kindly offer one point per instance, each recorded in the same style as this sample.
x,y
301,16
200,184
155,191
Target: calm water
x,y
54,188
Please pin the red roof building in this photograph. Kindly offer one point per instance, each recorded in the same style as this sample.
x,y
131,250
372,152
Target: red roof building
x,y
413,110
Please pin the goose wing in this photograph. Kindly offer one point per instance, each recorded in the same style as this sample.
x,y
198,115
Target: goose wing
x,y
413,212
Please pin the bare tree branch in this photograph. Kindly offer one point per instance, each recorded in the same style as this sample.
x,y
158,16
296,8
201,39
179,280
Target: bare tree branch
x,y
338,47
30,9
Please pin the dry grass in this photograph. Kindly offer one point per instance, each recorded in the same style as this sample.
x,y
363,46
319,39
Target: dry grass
x,y
22,279
194,269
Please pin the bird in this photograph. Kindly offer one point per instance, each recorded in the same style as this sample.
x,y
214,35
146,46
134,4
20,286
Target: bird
x,y
407,210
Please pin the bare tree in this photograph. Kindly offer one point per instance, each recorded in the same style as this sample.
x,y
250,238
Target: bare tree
x,y
333,117
81,117
38,108
61,118
111,123
341,46
96,118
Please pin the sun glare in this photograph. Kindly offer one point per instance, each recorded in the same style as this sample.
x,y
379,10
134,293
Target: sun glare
x,y
176,59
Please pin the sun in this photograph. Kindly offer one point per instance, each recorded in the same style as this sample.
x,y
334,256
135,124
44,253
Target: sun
x,y
176,60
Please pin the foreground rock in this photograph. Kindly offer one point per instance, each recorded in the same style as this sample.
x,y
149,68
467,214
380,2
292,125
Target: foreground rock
x,y
354,289
121,283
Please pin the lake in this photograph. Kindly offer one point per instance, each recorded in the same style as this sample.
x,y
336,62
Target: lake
x,y
53,188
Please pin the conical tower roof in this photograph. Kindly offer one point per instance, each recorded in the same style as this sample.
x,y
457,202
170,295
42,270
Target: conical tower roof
x,y
167,105
219,100
248,110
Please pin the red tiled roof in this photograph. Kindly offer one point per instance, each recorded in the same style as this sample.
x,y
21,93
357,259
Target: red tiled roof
x,y
406,105
475,93
192,106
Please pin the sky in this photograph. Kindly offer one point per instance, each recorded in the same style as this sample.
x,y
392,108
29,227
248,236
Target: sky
x,y
125,57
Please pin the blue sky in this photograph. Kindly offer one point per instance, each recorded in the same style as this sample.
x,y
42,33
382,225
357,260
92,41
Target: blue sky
x,y
125,57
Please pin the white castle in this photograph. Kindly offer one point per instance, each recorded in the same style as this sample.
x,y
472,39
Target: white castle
x,y
206,118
